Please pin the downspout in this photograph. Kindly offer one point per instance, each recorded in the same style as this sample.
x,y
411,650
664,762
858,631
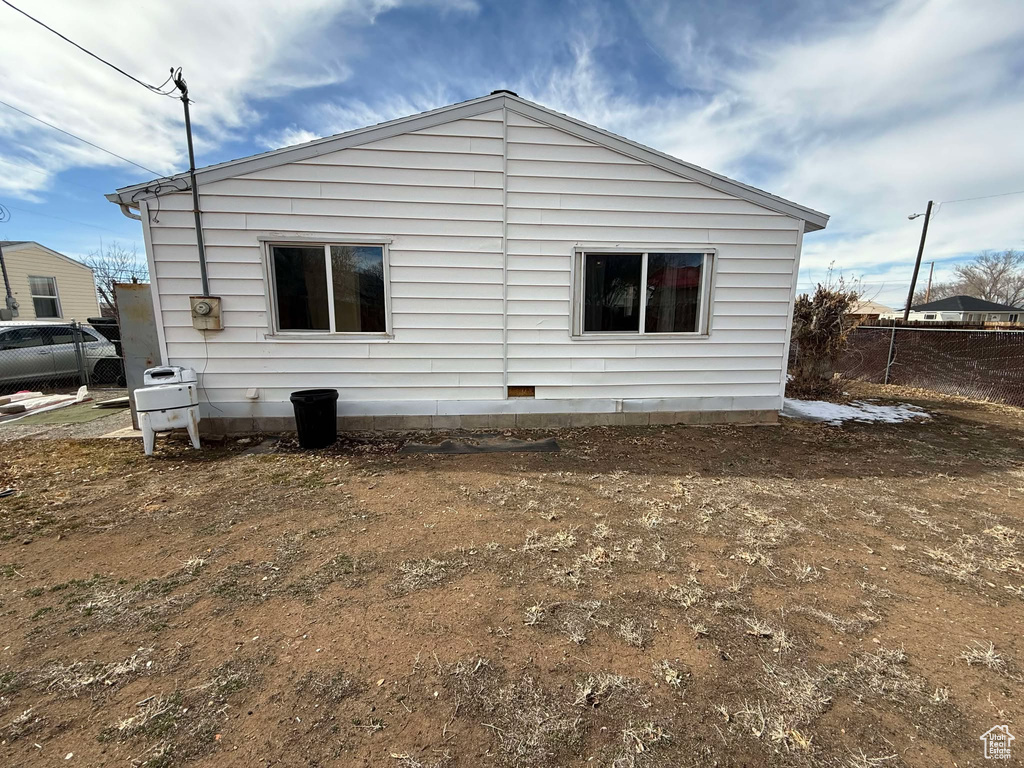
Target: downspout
x,y
127,211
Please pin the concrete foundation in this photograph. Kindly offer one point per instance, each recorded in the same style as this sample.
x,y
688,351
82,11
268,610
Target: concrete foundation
x,y
416,423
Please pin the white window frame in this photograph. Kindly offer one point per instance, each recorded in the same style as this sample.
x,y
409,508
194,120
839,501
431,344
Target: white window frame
x,y
55,296
275,332
707,283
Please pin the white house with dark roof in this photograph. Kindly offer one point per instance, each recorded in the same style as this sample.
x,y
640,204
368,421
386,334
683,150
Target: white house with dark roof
x,y
962,309
487,264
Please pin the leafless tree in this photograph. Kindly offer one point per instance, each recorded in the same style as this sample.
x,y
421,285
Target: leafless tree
x,y
992,275
113,263
938,291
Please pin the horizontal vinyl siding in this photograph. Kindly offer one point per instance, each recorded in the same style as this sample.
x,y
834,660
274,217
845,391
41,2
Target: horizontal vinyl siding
x,y
436,194
564,191
76,288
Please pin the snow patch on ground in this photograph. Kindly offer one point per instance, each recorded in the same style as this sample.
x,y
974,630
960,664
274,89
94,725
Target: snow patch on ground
x,y
859,410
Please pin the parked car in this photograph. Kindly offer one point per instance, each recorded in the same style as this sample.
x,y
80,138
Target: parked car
x,y
46,352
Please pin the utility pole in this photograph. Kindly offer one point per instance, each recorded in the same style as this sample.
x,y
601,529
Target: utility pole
x,y
10,308
928,290
182,86
920,253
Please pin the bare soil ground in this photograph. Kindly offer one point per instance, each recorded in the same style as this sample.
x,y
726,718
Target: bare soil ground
x,y
798,595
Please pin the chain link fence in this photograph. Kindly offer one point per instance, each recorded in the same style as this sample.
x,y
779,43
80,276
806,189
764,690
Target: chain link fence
x,y
53,358
982,365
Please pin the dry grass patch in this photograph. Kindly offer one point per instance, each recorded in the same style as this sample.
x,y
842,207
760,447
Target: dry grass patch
x,y
885,673
429,572
984,655
686,595
634,633
855,624
639,740
553,542
575,618
324,685
672,673
78,677
184,724
761,629
599,688
531,726
25,723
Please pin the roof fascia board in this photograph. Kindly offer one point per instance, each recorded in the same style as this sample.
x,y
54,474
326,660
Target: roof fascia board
x,y
30,244
815,219
358,137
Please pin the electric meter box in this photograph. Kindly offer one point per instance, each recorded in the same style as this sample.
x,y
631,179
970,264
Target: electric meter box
x,y
206,313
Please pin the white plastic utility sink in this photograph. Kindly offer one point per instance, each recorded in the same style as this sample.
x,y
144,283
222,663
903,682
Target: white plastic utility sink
x,y
163,407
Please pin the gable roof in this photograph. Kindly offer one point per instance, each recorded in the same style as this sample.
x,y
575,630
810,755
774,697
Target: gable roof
x,y
17,245
869,308
962,304
130,195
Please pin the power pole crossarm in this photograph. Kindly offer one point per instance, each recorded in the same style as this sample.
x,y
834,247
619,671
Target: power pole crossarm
x,y
917,264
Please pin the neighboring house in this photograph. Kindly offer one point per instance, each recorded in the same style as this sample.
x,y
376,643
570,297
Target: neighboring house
x,y
49,285
867,312
962,309
485,264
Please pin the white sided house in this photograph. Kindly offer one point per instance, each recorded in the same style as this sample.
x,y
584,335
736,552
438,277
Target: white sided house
x,y
488,264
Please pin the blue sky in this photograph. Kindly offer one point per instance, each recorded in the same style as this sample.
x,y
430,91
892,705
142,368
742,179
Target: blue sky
x,y
862,110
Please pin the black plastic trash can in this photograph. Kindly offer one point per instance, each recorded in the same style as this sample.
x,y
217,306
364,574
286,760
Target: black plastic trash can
x,y
316,416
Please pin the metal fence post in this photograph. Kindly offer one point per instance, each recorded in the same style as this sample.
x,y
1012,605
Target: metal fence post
x,y
80,357
888,359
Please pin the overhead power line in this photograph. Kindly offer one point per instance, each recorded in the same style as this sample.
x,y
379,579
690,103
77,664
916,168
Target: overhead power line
x,y
79,138
983,197
158,89
69,221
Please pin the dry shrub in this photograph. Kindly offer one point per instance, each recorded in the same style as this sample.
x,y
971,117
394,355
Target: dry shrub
x,y
821,328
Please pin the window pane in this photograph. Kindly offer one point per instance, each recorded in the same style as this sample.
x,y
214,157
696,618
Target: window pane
x,y
45,307
43,286
300,278
673,292
358,276
612,288
23,338
60,335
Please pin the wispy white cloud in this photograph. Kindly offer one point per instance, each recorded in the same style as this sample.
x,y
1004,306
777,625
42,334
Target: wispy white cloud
x,y
287,137
234,53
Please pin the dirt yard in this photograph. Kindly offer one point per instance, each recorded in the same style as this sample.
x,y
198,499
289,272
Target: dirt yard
x,y
793,595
